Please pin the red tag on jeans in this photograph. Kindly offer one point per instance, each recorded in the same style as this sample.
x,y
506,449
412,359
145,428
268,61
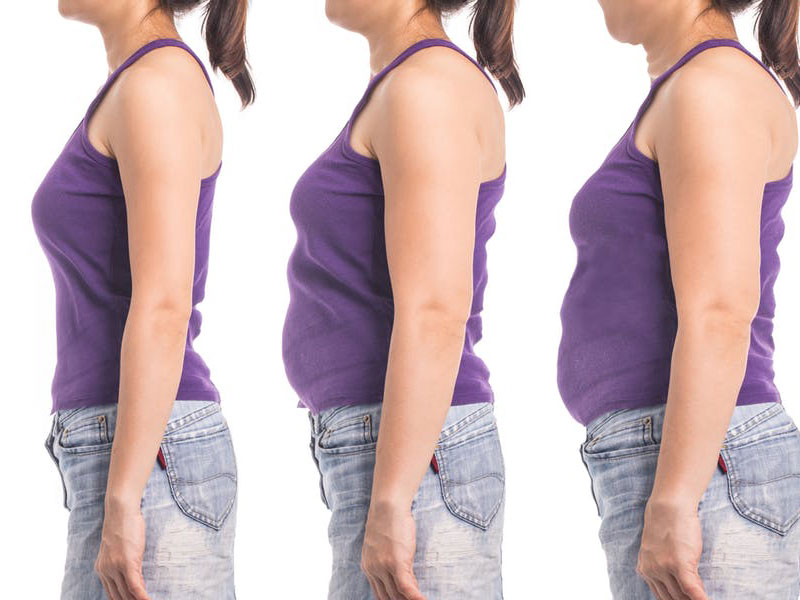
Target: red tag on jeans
x,y
435,464
722,466
161,460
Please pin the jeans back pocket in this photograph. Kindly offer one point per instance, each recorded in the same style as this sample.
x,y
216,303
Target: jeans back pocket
x,y
763,470
469,462
201,467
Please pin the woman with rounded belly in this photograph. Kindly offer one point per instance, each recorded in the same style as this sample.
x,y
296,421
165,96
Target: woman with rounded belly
x,y
387,283
666,355
124,217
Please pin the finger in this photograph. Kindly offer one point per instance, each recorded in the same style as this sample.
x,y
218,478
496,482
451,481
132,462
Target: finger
x,y
111,589
106,587
391,589
122,589
407,586
673,588
134,581
379,589
691,585
661,590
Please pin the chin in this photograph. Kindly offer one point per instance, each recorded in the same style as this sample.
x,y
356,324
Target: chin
x,y
626,20
86,11
352,15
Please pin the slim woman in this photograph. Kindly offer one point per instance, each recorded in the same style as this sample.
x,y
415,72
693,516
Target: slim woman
x,y
387,282
123,217
667,347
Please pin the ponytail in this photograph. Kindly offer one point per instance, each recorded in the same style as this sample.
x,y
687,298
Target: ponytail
x,y
224,26
777,27
777,36
492,30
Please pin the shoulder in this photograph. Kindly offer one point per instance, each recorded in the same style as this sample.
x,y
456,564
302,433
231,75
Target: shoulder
x,y
722,86
438,82
166,82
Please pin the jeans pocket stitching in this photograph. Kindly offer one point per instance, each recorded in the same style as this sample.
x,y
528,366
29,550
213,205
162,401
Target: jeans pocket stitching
x,y
190,418
752,422
99,423
183,503
735,484
455,507
367,441
646,423
450,431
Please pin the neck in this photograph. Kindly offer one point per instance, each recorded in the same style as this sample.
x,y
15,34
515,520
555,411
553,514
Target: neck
x,y
688,28
397,32
130,31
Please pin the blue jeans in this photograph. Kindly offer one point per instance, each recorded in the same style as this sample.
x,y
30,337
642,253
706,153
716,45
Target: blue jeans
x,y
749,514
189,507
458,511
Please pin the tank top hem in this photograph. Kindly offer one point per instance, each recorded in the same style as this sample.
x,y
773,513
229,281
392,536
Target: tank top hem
x,y
316,408
602,409
202,395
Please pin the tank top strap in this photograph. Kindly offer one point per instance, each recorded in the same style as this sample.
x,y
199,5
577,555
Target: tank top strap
x,y
701,47
149,47
403,56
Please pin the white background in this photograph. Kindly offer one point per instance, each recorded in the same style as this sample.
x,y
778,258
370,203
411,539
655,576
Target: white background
x,y
583,90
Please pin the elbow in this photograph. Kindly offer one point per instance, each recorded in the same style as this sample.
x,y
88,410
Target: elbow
x,y
166,314
728,321
440,317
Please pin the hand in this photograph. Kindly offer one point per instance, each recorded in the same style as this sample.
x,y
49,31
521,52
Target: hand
x,y
672,543
387,556
119,562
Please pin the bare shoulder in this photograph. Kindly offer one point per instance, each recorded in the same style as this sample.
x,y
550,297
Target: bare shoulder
x,y
723,86
441,96
441,79
165,75
165,95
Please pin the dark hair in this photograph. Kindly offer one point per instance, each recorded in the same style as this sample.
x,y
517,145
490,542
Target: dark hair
x,y
777,35
224,27
492,28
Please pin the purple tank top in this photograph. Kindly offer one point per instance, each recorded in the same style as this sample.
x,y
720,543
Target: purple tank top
x,y
619,316
339,322
80,219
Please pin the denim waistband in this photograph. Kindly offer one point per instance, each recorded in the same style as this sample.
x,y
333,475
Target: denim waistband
x,y
740,415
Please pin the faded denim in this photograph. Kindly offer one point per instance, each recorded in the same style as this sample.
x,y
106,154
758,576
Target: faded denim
x,y
751,541
189,508
458,511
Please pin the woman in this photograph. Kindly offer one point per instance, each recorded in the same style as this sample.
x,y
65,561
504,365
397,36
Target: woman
x,y
123,217
387,282
667,347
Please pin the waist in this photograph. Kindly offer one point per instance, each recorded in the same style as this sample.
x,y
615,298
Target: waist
x,y
333,363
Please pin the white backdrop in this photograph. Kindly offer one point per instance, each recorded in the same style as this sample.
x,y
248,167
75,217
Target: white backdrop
x,y
583,90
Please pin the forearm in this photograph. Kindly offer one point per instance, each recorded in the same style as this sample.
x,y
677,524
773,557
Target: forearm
x,y
151,363
708,366
424,359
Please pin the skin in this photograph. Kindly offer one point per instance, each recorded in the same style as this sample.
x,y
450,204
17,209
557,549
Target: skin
x,y
159,121
431,197
713,178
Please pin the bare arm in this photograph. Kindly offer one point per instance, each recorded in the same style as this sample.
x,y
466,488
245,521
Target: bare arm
x,y
430,161
158,145
713,177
